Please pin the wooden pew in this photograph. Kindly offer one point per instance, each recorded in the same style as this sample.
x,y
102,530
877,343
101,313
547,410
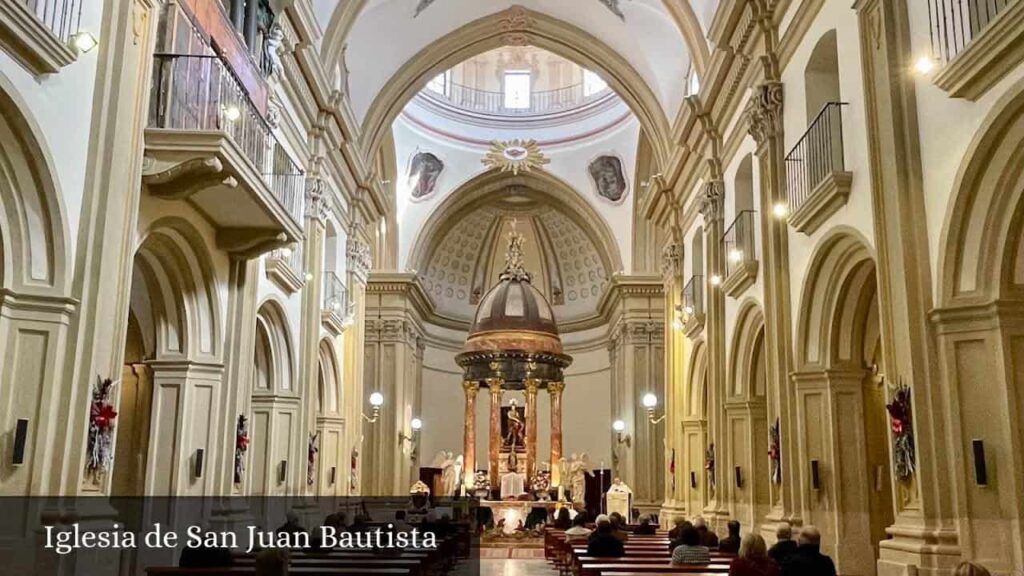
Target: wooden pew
x,y
666,567
251,570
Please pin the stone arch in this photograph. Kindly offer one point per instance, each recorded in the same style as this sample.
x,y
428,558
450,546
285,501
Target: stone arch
x,y
492,32
329,397
747,353
982,257
33,228
273,334
821,75
174,295
838,294
697,379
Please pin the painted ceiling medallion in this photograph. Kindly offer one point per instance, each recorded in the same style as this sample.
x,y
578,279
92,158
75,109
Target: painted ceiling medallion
x,y
515,156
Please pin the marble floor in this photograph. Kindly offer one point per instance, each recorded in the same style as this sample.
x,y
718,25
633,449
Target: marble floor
x,y
515,568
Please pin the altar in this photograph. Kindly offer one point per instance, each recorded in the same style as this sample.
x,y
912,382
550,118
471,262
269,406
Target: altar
x,y
511,514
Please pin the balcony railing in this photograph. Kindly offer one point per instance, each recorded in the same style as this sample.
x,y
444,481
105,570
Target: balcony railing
x,y
335,295
693,297
490,102
62,17
739,243
955,23
817,155
292,256
199,92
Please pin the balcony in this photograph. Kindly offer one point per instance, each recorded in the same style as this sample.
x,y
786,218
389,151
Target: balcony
x,y
817,181
977,41
693,306
286,268
38,33
208,144
739,242
493,103
336,313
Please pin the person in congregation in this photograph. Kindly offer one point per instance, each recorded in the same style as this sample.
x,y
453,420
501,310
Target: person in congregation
x,y
676,540
291,524
579,530
645,528
966,568
731,543
753,559
690,550
784,545
808,560
562,519
678,523
619,526
272,562
603,542
707,536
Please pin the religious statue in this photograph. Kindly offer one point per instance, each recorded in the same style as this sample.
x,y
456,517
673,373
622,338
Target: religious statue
x,y
515,435
576,470
619,498
448,475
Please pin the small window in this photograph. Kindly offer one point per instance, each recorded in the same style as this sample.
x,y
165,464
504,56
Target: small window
x,y
517,89
592,83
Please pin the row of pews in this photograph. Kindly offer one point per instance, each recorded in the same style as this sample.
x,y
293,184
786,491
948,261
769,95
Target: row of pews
x,y
645,555
338,562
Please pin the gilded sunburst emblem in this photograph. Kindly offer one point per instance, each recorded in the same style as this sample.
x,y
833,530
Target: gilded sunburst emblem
x,y
515,156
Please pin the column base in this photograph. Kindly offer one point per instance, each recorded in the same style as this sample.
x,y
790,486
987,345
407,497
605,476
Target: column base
x,y
671,509
918,551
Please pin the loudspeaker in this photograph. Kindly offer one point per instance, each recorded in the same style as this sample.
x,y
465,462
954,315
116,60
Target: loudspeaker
x,y
739,477
282,472
815,476
693,480
20,439
333,474
980,469
197,469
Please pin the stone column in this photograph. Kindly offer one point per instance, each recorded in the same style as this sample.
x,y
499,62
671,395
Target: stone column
x,y
555,392
469,432
714,262
531,428
494,447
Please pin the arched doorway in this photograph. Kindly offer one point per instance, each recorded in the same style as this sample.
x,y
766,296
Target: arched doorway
x,y
699,490
841,394
276,467
330,424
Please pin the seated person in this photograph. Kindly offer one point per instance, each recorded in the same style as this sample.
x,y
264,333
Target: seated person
x,y
603,543
562,519
678,523
272,562
619,526
677,539
808,558
690,550
579,530
337,520
784,544
645,528
291,524
731,543
205,557
707,536
753,559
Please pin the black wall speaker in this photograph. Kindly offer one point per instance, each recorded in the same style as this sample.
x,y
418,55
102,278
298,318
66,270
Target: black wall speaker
x,y
198,466
693,479
20,439
334,473
815,476
739,477
980,469
282,472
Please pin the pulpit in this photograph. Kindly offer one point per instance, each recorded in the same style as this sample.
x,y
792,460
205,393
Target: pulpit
x,y
619,498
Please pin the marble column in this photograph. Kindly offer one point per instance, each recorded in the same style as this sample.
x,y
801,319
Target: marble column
x,y
555,391
531,428
469,433
494,446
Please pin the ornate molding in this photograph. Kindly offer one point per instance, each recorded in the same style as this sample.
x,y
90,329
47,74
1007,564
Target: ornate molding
x,y
672,259
712,201
359,258
514,24
764,112
316,199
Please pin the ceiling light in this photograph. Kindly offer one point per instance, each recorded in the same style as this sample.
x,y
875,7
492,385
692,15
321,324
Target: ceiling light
x,y
84,42
780,210
924,65
232,113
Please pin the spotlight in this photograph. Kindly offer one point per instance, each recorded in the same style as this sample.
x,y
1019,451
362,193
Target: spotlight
x,y
84,42
924,65
780,210
416,424
715,280
232,113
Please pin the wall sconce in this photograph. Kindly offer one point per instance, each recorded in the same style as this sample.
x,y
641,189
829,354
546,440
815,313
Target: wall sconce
x,y
739,477
376,401
693,480
83,42
416,424
20,439
282,472
650,402
333,476
619,426
780,210
197,464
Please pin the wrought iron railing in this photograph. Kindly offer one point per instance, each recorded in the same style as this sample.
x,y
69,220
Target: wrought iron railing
x,y
818,154
738,241
62,17
955,23
291,255
492,102
693,296
335,295
199,92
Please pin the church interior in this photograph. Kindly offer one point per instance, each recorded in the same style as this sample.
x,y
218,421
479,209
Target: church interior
x,y
697,263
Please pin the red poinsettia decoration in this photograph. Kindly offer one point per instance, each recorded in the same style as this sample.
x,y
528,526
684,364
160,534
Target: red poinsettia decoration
x,y
243,442
899,411
103,416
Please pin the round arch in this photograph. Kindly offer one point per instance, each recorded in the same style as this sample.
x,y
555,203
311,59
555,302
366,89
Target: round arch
x,y
837,302
980,258
328,379
33,229
747,352
174,296
520,26
481,189
697,378
277,343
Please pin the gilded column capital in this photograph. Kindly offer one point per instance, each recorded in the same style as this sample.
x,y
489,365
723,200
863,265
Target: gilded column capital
x,y
555,388
495,385
763,112
471,387
531,384
713,200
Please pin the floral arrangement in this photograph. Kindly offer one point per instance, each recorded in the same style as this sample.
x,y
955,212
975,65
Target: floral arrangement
x,y
541,481
901,422
311,452
241,446
101,428
353,481
672,470
775,451
480,481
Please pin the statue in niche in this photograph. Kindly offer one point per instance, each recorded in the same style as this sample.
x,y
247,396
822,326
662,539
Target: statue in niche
x,y
606,171
514,427
424,171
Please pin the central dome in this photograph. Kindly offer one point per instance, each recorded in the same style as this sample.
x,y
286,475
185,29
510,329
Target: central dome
x,y
513,317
